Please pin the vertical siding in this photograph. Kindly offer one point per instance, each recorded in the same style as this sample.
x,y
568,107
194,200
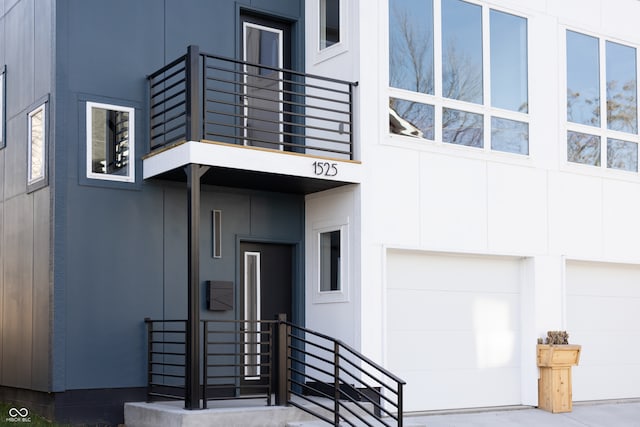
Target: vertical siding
x,y
121,250
25,218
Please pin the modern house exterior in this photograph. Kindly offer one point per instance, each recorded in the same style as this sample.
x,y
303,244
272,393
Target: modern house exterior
x,y
436,183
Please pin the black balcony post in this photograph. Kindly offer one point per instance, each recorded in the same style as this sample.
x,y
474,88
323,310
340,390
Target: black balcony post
x,y
193,110
282,397
192,363
351,127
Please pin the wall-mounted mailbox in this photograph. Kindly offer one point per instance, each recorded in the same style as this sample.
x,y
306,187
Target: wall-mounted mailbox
x,y
219,295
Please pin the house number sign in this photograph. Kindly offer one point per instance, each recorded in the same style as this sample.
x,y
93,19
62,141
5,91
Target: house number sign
x,y
325,168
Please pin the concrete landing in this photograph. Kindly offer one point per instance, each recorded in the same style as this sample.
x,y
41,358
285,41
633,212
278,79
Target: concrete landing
x,y
231,413
157,414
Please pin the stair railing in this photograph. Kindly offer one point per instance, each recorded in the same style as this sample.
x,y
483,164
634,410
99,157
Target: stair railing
x,y
319,367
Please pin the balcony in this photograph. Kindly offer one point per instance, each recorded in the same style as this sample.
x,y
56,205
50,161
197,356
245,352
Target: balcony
x,y
255,126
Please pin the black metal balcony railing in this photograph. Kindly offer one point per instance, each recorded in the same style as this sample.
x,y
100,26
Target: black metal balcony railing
x,y
206,97
243,359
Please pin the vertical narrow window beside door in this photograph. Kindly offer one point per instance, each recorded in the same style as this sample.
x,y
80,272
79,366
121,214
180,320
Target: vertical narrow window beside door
x,y
330,256
329,23
252,315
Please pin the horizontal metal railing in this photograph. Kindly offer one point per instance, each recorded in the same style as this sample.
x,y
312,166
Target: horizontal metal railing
x,y
257,359
237,358
166,359
200,96
360,391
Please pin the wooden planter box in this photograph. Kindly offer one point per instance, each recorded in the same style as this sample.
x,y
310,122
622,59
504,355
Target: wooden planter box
x,y
554,385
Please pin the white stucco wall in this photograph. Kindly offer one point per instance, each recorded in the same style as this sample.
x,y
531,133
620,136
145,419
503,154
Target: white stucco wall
x,y
430,196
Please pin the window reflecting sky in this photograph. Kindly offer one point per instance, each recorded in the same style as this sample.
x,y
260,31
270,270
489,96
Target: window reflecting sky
x,y
411,118
509,136
583,79
622,155
411,45
509,62
462,51
621,88
583,148
462,128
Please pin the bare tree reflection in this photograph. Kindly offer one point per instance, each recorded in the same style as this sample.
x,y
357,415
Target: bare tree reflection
x,y
410,52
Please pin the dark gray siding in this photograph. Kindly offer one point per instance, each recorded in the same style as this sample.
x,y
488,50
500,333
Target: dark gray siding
x,y
25,218
121,250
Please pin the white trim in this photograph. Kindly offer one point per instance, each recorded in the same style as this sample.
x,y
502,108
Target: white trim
x,y
248,375
323,54
131,174
342,294
43,156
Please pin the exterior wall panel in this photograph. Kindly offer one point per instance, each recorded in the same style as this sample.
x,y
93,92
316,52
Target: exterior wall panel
x,y
42,287
17,299
25,258
20,43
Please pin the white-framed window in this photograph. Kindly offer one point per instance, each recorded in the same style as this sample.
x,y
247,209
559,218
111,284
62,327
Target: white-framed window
x,y
37,146
329,262
602,102
110,142
216,229
329,23
458,74
331,33
331,267
2,107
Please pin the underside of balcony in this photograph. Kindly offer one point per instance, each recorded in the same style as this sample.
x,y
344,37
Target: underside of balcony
x,y
254,126
253,168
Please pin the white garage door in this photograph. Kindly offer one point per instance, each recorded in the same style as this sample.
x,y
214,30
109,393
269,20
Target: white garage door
x,y
453,329
603,315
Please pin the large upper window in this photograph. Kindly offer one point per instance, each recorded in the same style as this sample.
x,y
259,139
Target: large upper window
x,y
110,142
466,84
592,89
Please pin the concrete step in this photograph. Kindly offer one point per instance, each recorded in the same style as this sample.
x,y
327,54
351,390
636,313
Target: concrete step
x,y
355,422
233,413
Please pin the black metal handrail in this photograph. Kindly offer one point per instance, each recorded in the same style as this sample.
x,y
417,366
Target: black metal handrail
x,y
200,96
166,358
256,359
358,388
237,359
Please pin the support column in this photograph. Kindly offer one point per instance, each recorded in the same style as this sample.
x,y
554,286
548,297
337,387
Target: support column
x,y
192,363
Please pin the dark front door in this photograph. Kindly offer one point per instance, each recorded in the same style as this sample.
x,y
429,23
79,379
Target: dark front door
x,y
265,291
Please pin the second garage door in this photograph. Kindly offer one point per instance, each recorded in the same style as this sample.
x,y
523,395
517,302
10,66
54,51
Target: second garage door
x,y
603,315
453,329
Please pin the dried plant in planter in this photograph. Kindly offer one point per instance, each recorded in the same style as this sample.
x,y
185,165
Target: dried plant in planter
x,y
557,338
